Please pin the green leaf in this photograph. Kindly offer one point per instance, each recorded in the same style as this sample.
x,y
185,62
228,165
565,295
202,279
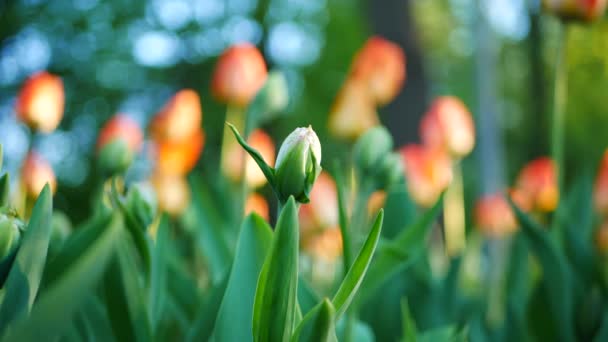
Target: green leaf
x,y
1,156
275,298
409,327
235,317
343,216
397,254
202,327
158,279
602,334
355,275
266,169
307,297
138,234
25,275
318,324
556,276
56,307
4,190
448,333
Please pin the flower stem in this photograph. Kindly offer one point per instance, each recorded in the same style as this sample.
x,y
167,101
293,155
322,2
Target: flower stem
x,y
559,104
453,212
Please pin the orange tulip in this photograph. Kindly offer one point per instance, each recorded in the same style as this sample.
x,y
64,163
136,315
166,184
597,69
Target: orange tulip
x,y
380,64
180,118
172,193
239,74
256,203
179,157
36,173
376,202
448,125
494,216
322,210
232,163
121,127
600,191
326,246
41,101
537,183
353,111
428,172
587,10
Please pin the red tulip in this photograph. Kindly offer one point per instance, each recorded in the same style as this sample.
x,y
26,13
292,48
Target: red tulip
x,y
121,127
235,155
36,173
428,172
537,185
239,74
41,102
494,216
587,10
448,125
180,118
256,203
179,157
353,111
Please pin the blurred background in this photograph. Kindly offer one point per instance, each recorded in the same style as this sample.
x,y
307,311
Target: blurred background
x,y
125,56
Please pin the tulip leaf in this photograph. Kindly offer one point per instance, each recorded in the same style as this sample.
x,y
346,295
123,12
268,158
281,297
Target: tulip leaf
x,y
409,327
69,292
602,333
158,278
398,253
307,298
202,327
24,277
356,273
4,190
138,234
448,333
556,276
318,324
343,216
275,298
235,317
268,171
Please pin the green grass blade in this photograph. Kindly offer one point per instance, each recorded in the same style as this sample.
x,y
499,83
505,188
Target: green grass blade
x,y
275,298
408,325
266,169
317,325
24,277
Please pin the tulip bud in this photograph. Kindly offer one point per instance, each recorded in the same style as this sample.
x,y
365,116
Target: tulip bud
x,y
600,189
239,74
35,173
232,164
172,192
428,172
371,149
181,118
537,184
390,171
380,64
10,235
179,157
448,125
41,101
494,216
256,203
298,165
118,142
353,111
141,203
585,10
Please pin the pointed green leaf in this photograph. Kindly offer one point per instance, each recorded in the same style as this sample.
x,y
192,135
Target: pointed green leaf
x,y
354,277
275,298
448,333
68,293
317,325
202,327
138,234
307,297
266,169
235,317
343,217
1,156
158,279
25,275
4,190
409,327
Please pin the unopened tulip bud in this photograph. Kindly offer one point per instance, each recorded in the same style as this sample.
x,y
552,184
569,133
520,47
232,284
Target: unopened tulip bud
x,y
179,157
448,125
600,189
180,118
119,140
35,173
256,203
381,65
172,193
298,164
537,185
141,203
428,172
494,216
353,111
41,102
239,74
10,235
585,10
371,149
235,155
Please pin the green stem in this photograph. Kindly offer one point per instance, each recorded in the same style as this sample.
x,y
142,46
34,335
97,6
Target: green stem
x,y
559,104
453,213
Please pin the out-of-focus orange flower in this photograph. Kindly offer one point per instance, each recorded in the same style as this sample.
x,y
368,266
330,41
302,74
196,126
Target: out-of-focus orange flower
x,y
121,127
428,172
494,216
179,119
322,210
35,173
41,101
326,246
537,185
353,111
239,74
172,193
256,203
520,198
376,202
448,125
179,157
380,65
600,190
587,10
235,155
